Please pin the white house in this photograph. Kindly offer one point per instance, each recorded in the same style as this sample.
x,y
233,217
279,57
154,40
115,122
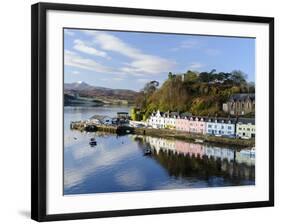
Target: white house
x,y
163,120
156,120
220,126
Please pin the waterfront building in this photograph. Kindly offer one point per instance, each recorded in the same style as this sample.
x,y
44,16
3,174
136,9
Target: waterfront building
x,y
182,123
156,120
197,125
191,124
220,126
170,119
240,104
245,128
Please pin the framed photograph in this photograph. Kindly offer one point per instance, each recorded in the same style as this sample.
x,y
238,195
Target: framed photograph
x,y
139,111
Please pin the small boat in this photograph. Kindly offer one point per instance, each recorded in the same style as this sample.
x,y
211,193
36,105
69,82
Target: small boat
x,y
147,152
93,141
199,140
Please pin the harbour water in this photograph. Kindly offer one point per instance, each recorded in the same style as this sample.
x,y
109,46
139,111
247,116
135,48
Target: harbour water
x,y
120,164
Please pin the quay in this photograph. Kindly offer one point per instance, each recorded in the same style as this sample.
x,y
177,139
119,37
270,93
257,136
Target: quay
x,y
161,133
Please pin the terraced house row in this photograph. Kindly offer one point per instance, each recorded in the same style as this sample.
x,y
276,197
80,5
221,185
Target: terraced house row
x,y
228,127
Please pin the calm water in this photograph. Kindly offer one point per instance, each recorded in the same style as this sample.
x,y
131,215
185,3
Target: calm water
x,y
118,163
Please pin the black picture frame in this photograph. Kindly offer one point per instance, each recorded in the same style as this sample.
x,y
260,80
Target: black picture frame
x,y
39,108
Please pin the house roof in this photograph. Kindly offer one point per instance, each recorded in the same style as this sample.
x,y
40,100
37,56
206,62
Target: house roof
x,y
221,120
170,114
186,114
246,120
242,97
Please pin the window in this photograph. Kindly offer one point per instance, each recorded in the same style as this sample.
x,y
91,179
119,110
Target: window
x,y
209,126
229,128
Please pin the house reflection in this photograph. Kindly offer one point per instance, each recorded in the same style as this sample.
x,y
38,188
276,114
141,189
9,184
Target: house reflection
x,y
185,159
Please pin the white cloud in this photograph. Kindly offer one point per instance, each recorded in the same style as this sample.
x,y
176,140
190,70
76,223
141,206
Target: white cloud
x,y
75,60
81,46
140,62
195,65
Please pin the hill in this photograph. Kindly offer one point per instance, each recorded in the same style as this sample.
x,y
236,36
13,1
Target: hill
x,y
201,94
101,94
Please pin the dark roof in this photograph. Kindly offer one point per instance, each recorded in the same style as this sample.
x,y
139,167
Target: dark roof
x,y
170,114
186,114
221,120
242,97
122,113
246,120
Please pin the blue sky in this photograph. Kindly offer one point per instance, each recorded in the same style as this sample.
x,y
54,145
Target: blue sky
x,y
127,60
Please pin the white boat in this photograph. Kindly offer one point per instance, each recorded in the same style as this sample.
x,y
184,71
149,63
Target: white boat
x,y
199,140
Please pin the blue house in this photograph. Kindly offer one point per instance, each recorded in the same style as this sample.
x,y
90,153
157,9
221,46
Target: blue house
x,y
220,126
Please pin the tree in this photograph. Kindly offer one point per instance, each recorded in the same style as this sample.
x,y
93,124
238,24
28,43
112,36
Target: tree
x,y
238,77
190,77
150,87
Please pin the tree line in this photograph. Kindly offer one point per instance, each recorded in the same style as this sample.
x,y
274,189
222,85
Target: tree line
x,y
201,94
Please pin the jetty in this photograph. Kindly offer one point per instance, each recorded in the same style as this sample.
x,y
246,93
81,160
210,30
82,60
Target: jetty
x,y
89,127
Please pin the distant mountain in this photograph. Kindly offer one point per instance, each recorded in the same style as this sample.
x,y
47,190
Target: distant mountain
x,y
106,95
80,85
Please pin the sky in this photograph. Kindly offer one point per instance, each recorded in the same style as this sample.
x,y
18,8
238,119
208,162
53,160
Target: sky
x,y
128,60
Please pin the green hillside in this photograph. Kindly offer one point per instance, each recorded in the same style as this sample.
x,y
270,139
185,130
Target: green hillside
x,y
199,93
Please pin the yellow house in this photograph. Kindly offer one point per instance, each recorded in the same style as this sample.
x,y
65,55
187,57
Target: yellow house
x,y
245,128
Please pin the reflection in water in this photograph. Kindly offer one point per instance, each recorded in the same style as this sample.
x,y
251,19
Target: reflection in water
x,y
185,159
118,164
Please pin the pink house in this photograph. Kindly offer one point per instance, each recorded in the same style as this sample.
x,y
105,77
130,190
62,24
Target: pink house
x,y
182,124
197,125
191,124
